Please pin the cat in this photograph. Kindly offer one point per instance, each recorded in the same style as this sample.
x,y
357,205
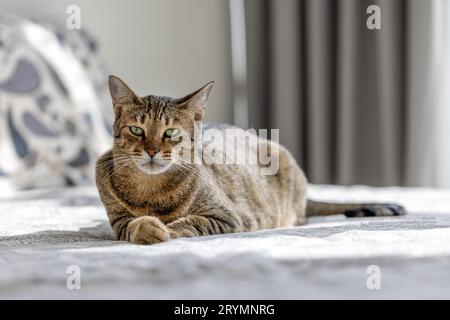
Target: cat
x,y
151,196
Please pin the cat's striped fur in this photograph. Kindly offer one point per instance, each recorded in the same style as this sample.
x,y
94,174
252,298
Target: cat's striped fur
x,y
195,200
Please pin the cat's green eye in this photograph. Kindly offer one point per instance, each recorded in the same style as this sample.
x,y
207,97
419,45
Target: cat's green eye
x,y
136,131
169,133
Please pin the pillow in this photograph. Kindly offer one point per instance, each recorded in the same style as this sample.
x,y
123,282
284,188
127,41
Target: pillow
x,y
54,114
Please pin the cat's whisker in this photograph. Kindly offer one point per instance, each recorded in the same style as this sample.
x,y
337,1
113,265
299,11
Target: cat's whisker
x,y
115,165
112,162
191,168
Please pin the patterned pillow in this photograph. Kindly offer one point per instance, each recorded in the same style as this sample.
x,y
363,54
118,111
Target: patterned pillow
x,y
54,108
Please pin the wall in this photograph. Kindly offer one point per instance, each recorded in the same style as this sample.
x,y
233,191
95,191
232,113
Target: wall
x,y
166,47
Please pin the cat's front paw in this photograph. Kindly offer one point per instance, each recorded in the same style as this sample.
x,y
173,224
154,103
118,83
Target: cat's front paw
x,y
147,230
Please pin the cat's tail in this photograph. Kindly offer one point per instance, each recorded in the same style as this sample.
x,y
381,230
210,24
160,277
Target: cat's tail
x,y
315,208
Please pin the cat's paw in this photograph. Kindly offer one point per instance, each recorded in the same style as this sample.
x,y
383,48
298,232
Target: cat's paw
x,y
180,228
148,230
186,233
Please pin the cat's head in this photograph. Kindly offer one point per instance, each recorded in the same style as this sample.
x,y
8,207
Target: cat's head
x,y
148,129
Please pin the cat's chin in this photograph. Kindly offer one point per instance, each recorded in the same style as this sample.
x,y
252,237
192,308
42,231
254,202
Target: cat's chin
x,y
153,168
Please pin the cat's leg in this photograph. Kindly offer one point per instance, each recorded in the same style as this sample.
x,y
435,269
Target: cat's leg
x,y
119,223
127,227
201,225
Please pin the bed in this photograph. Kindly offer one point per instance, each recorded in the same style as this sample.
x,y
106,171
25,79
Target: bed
x,y
46,233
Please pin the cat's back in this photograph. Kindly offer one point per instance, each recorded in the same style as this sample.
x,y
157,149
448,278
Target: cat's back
x,y
259,176
231,148
244,161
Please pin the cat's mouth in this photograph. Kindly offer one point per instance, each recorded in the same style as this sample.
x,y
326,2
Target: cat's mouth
x,y
153,166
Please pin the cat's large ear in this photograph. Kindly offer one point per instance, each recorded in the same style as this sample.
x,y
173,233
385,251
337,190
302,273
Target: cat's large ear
x,y
196,101
121,93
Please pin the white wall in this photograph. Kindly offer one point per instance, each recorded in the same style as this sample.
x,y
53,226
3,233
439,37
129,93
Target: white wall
x,y
165,47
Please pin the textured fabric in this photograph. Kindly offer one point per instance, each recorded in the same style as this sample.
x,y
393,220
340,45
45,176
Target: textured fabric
x,y
53,104
46,231
354,105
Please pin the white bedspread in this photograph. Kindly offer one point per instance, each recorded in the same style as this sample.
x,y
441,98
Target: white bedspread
x,y
43,232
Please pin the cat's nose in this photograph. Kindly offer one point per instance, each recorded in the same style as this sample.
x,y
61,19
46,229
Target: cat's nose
x,y
152,152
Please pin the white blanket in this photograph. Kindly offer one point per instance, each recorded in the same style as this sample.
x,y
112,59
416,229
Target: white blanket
x,y
44,232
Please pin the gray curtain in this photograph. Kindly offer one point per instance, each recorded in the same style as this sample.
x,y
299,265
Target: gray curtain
x,y
340,93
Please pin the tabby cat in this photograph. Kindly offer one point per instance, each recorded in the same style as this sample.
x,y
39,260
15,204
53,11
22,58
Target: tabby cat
x,y
151,195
